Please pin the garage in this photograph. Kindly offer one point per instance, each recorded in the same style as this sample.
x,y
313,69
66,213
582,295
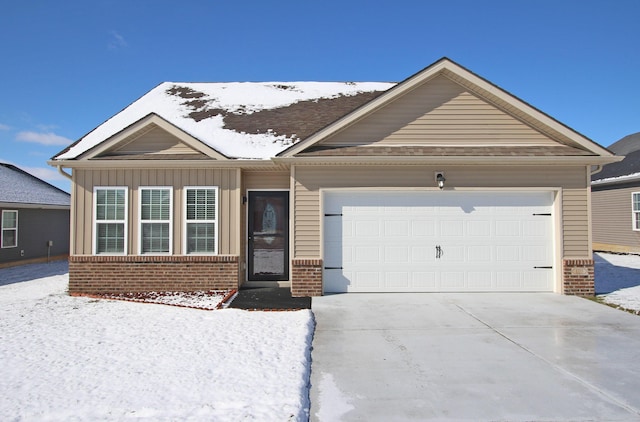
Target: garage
x,y
438,241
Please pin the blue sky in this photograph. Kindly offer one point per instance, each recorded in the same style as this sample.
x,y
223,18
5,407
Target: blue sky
x,y
68,66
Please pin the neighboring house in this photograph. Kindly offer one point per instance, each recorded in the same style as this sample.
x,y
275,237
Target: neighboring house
x,y
615,193
442,182
35,218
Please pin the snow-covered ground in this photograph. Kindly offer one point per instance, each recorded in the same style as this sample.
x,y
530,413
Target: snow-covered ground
x,y
75,358
618,280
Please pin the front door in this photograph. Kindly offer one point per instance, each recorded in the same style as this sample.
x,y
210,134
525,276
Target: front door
x,y
268,236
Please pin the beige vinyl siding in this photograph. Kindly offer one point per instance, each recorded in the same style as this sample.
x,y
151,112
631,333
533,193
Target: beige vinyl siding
x,y
612,219
438,113
229,203
571,180
576,223
155,141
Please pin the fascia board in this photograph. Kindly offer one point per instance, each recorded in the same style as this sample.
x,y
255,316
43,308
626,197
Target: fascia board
x,y
160,122
168,164
463,160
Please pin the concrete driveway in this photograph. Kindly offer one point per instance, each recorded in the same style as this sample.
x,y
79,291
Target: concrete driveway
x,y
491,357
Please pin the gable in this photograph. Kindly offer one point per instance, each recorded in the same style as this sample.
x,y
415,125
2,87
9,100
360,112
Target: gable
x,y
440,113
152,141
447,106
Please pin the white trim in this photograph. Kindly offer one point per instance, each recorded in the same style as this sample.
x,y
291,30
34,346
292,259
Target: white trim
x,y
215,222
634,212
94,232
2,246
170,221
556,210
281,283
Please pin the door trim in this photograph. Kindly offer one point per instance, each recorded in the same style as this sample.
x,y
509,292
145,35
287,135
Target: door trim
x,y
266,283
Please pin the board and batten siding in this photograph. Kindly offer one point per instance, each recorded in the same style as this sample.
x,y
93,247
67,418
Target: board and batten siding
x,y
612,219
154,141
571,180
440,112
229,203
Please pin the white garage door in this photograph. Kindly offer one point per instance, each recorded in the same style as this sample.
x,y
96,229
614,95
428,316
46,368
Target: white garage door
x,y
400,241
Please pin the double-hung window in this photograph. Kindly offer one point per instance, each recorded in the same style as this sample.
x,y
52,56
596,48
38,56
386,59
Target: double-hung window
x,y
9,229
635,210
110,217
201,220
155,220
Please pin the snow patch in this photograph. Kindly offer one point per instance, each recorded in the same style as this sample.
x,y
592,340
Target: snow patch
x,y
174,101
77,358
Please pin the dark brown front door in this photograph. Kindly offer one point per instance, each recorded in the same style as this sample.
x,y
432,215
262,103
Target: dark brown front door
x,y
268,236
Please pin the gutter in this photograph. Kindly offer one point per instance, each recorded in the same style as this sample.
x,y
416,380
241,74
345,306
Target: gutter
x,y
64,173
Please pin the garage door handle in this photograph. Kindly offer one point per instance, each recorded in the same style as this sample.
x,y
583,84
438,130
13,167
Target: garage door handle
x,y
439,252
543,268
332,268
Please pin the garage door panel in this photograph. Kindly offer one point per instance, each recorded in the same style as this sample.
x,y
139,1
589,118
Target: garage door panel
x,y
508,228
452,280
507,253
397,280
480,253
396,254
366,228
367,254
388,241
396,227
480,280
421,227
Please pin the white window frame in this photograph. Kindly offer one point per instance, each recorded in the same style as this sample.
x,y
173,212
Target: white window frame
x,y
94,247
2,245
141,222
635,222
214,221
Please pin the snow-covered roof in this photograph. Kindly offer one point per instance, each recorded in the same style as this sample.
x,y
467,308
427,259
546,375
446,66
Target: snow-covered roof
x,y
19,187
627,170
204,111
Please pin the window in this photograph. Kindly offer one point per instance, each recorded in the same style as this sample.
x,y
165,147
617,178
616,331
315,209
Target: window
x,y
155,220
9,229
635,206
110,220
201,220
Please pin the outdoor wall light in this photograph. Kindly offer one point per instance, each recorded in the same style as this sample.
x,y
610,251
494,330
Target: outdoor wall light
x,y
440,179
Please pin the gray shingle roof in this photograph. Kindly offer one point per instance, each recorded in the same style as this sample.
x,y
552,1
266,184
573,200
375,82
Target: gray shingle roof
x,y
18,186
629,146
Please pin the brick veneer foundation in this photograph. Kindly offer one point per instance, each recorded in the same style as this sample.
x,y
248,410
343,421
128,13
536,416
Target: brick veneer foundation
x,y
128,274
577,277
306,277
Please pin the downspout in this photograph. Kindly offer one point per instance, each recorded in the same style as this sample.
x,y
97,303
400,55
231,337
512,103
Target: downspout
x,y
598,169
67,175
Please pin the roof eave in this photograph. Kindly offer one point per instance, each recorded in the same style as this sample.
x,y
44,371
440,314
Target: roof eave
x,y
168,164
34,206
617,180
440,160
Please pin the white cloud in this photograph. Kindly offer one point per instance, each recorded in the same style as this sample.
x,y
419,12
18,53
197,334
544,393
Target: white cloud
x,y
4,127
48,138
48,174
117,41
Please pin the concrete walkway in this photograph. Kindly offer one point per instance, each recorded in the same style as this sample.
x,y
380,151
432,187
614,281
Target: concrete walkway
x,y
476,357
